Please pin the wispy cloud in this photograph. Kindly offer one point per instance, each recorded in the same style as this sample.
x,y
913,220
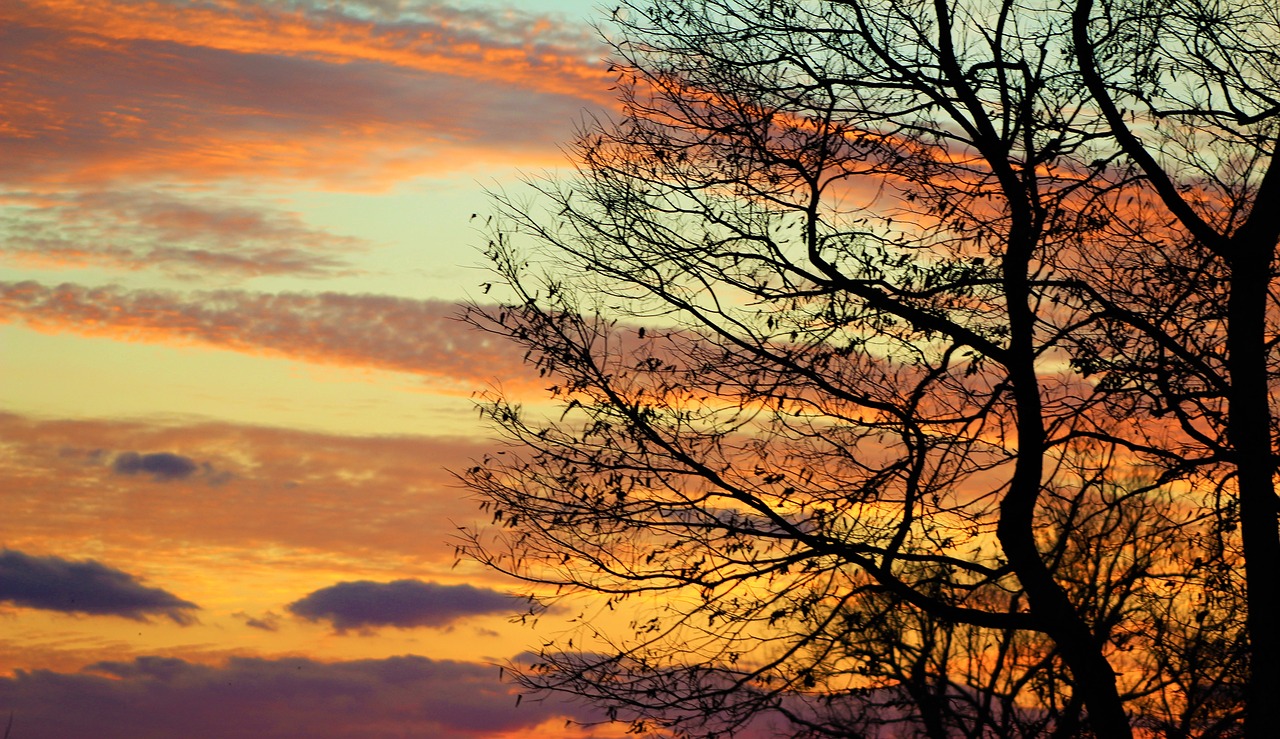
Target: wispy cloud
x,y
498,43
375,331
269,621
84,587
403,604
184,237
352,94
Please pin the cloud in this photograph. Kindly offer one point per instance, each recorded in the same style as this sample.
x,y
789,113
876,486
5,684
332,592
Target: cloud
x,y
403,604
269,621
184,237
277,699
160,465
87,587
505,44
383,501
375,331
353,94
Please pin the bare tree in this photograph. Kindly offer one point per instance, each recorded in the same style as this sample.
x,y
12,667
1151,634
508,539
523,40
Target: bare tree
x,y
851,418
1190,91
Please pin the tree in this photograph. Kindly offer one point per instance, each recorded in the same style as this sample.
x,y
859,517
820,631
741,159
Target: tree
x,y
1204,76
870,402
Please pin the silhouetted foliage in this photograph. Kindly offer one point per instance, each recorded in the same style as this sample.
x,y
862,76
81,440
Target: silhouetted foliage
x,y
912,361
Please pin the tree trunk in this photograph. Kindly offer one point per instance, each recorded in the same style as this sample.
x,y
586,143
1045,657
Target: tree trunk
x,y
1094,681
1249,432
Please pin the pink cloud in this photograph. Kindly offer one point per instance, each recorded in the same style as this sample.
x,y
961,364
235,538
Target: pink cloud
x,y
184,237
376,331
356,97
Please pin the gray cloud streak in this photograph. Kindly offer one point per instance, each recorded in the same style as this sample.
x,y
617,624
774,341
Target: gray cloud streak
x,y
404,604
85,587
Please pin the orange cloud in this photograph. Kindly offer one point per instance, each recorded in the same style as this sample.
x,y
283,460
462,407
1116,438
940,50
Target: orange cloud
x,y
539,53
375,331
386,502
356,97
242,520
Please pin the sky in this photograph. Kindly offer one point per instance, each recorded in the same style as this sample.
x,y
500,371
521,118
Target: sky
x,y
234,237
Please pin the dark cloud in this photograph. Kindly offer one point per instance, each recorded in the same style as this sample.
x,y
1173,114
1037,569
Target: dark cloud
x,y
161,466
253,698
379,331
88,587
267,622
403,604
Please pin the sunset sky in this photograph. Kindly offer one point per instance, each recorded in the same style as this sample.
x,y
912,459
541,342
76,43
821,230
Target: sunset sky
x,y
233,237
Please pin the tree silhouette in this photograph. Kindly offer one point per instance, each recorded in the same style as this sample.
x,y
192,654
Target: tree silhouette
x,y
1203,80
897,392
